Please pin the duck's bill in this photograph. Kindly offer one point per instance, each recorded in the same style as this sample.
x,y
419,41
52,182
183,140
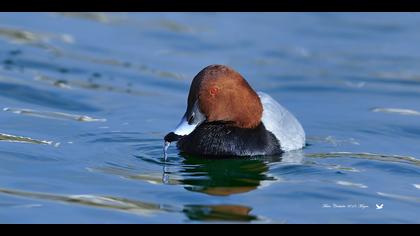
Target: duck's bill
x,y
171,137
182,129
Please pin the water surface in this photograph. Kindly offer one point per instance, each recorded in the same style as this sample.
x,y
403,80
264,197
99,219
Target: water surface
x,y
86,98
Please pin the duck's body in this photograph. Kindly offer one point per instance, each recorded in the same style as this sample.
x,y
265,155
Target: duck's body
x,y
223,139
226,117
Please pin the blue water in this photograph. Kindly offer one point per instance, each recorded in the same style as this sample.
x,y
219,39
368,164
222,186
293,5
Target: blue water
x,y
85,100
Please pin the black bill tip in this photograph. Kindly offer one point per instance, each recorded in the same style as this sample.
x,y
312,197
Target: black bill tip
x,y
172,137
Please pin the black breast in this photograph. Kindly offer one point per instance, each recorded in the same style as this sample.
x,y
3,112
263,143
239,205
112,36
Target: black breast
x,y
223,139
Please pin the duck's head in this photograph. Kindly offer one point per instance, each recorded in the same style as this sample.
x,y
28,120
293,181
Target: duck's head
x,y
219,93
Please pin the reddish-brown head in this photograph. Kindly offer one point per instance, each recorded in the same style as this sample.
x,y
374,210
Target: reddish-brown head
x,y
224,95
219,93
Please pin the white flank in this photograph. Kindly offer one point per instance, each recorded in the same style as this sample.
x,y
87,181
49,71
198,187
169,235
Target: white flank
x,y
282,124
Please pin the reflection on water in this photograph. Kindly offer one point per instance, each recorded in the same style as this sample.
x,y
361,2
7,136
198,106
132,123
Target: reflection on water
x,y
53,115
401,197
106,87
397,111
92,85
32,95
20,139
37,39
369,156
95,16
219,212
223,177
193,212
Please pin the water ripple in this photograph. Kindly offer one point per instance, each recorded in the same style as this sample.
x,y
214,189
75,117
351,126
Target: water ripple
x,y
369,156
332,140
53,115
94,16
28,37
400,197
32,95
399,111
20,139
91,85
346,183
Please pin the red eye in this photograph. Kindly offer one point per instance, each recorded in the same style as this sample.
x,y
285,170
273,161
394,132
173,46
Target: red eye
x,y
214,90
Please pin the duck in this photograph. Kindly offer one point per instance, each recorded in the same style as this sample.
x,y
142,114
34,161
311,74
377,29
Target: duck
x,y
226,117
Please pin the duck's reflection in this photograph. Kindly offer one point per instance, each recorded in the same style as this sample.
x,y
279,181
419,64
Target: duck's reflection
x,y
219,177
219,212
224,176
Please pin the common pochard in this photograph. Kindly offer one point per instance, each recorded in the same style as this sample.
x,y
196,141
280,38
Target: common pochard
x,y
226,117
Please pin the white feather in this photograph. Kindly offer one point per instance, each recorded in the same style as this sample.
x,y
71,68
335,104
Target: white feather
x,y
279,121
